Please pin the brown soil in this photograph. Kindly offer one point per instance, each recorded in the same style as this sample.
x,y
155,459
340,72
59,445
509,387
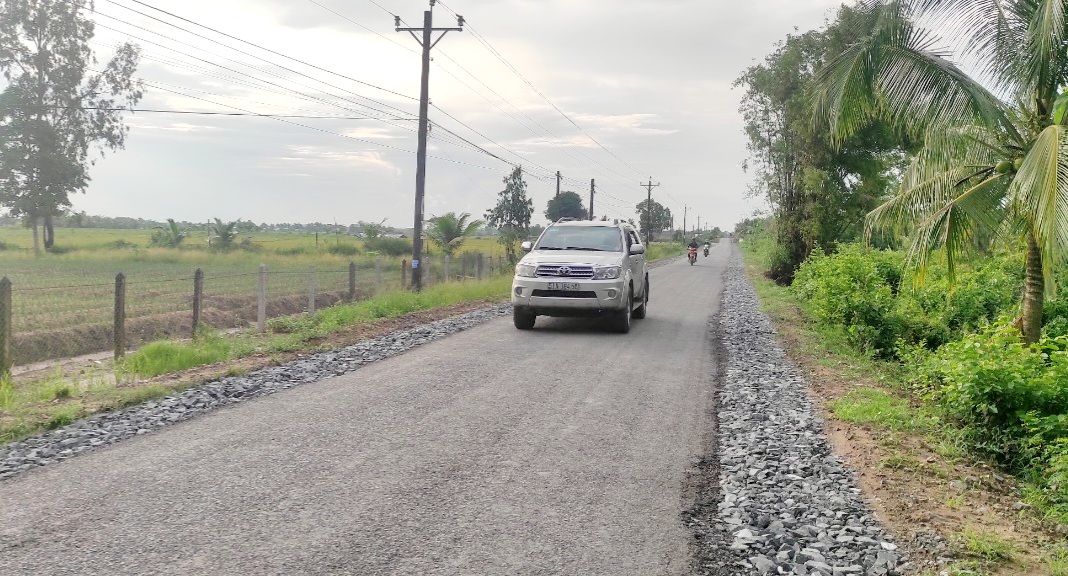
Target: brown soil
x,y
913,490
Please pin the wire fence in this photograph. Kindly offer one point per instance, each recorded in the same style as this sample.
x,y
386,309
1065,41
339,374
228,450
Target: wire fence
x,y
97,310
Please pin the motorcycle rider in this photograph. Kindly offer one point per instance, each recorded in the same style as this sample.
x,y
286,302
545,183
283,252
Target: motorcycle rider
x,y
694,243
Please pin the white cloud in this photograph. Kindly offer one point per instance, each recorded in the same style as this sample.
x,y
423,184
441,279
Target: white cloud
x,y
649,79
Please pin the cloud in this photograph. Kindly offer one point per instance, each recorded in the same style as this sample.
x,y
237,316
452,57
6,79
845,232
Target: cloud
x,y
649,79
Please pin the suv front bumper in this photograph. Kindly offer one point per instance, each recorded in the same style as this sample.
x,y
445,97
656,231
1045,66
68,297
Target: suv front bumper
x,y
593,297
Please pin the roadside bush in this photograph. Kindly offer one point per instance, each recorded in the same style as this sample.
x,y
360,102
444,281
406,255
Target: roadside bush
x,y
389,246
1005,394
852,289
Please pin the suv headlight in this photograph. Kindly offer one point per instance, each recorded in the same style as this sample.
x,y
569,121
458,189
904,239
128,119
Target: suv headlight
x,y
525,270
606,272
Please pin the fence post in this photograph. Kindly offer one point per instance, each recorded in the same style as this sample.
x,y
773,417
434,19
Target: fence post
x,y
120,316
404,273
6,361
198,299
352,281
447,267
311,292
478,266
261,301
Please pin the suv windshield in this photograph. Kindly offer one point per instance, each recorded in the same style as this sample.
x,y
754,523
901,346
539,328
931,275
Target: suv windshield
x,y
592,238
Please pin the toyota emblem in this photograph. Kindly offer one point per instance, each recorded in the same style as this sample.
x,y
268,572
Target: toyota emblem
x,y
564,271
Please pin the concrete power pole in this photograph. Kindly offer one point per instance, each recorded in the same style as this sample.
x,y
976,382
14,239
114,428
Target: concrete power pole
x,y
427,43
557,183
698,223
685,210
649,210
593,186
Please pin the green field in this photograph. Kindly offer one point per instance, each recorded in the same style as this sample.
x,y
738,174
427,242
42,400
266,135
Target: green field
x,y
63,301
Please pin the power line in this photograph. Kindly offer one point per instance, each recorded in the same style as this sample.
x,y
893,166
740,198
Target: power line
x,y
254,45
375,32
268,82
197,112
509,65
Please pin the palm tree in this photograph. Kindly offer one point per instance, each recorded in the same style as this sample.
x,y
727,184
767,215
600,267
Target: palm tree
x,y
224,234
994,154
170,235
450,231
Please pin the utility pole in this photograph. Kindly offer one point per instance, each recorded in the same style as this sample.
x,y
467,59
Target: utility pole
x,y
685,209
557,183
698,223
649,210
593,186
424,103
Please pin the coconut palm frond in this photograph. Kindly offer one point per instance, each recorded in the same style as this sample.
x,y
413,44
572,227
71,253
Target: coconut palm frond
x,y
1041,185
953,227
896,73
1044,54
986,32
917,200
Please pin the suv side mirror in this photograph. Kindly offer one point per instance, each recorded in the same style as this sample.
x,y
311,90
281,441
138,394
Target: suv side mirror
x,y
527,246
637,249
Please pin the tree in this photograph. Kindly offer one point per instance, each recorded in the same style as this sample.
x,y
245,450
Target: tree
x,y
653,218
372,230
985,163
566,205
450,231
169,236
52,112
223,235
819,193
511,215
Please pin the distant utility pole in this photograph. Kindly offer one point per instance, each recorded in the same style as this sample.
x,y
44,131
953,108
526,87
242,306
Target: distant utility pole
x,y
649,210
592,188
685,209
698,223
424,103
557,183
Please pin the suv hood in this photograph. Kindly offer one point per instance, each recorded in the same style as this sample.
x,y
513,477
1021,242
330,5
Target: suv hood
x,y
539,257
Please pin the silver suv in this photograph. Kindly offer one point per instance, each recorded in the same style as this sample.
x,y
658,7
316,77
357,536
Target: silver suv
x,y
582,268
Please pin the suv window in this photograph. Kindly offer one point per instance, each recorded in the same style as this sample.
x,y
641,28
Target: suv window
x,y
632,239
592,238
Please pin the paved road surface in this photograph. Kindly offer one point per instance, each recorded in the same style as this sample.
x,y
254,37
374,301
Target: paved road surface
x,y
565,450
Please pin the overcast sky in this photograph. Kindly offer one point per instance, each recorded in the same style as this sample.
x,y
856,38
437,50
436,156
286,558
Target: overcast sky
x,y
648,80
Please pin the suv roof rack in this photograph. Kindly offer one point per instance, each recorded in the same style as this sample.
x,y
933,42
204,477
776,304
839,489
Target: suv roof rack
x,y
567,219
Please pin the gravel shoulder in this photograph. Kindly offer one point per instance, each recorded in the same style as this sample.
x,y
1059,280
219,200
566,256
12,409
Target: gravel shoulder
x,y
789,505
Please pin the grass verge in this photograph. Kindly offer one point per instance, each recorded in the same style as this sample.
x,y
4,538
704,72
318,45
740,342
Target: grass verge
x,y
35,405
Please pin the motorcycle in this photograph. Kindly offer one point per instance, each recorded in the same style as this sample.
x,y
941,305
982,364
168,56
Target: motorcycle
x,y
706,251
692,256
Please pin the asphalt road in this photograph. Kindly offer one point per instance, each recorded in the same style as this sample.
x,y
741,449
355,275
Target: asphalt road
x,y
564,450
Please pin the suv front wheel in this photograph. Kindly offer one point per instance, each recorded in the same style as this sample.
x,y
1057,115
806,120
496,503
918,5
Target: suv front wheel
x,y
640,311
621,320
522,319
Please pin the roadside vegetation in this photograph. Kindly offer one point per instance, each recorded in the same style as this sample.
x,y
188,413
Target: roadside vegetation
x,y
917,229
942,363
34,405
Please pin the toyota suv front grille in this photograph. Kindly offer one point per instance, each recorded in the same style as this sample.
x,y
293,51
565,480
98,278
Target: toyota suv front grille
x,y
565,271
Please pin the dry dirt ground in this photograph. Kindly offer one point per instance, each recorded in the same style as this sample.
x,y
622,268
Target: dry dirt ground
x,y
912,489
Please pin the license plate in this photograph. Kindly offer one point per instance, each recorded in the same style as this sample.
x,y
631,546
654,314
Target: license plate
x,y
572,286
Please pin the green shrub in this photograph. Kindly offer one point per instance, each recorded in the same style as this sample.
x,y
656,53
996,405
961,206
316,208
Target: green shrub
x,y
851,289
343,250
389,246
997,387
